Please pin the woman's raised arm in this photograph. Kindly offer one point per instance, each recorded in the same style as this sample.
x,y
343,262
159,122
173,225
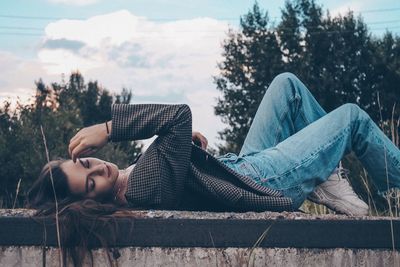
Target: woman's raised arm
x,y
159,175
89,139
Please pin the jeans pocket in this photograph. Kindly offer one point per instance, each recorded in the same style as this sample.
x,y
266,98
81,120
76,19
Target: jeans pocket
x,y
272,182
246,168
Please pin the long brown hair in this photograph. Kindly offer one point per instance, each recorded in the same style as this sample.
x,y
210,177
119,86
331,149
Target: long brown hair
x,y
41,194
79,219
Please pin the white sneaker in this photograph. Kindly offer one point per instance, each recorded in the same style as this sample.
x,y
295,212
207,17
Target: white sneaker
x,y
337,194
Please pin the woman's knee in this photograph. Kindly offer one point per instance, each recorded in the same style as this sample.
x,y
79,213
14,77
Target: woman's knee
x,y
286,84
285,77
354,111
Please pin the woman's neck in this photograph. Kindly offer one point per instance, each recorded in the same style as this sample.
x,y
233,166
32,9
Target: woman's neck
x,y
121,186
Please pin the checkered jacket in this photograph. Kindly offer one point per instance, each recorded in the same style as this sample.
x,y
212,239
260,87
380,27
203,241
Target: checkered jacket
x,y
173,173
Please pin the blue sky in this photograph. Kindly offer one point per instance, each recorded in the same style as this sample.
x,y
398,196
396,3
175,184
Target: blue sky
x,y
164,50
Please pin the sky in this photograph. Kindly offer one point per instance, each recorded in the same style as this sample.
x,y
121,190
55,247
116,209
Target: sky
x,y
165,51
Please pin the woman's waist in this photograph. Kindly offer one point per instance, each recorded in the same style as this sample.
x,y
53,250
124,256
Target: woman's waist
x,y
249,165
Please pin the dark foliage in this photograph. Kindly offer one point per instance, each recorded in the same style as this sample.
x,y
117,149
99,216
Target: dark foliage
x,y
336,57
61,109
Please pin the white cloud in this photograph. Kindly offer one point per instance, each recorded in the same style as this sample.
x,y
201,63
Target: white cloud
x,y
345,8
18,76
161,62
74,2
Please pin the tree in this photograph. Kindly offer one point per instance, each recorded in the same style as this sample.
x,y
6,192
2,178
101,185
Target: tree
x,y
251,58
61,109
335,57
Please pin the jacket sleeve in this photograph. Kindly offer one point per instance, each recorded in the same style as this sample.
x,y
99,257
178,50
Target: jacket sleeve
x,y
158,177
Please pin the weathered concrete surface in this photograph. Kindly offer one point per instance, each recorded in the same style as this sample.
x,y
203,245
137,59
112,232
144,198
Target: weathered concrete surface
x,y
218,215
155,256
287,257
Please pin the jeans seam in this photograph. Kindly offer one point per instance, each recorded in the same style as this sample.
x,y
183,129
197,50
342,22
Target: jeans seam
x,y
301,111
256,171
281,118
314,153
388,153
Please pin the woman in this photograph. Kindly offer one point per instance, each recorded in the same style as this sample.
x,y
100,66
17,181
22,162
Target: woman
x,y
292,147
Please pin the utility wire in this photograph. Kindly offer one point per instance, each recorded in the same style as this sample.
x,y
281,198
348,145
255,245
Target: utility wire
x,y
203,31
322,30
21,28
383,21
35,17
169,19
379,10
213,35
20,34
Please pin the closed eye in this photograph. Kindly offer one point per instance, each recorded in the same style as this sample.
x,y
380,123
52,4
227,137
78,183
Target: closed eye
x,y
93,185
85,164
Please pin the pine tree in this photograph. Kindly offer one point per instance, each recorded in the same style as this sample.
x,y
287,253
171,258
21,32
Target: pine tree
x,y
252,57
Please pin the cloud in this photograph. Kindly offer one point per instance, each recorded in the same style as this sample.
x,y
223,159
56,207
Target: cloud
x,y
18,76
345,8
63,44
169,62
74,2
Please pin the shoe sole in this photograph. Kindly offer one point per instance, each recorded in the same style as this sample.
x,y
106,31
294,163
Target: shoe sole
x,y
332,203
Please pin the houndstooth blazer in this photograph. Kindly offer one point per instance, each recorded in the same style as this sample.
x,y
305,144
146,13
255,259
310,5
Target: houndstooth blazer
x,y
173,173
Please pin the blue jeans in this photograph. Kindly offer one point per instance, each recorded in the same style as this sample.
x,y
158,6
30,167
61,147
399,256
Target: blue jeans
x,y
293,144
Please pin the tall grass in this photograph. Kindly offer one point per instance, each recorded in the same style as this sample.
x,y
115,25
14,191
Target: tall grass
x,y
393,132
61,260
256,245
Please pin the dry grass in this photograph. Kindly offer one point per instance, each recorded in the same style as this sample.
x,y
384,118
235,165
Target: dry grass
x,y
256,244
394,137
61,261
16,192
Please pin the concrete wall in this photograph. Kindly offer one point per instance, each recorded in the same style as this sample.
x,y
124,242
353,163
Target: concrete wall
x,y
134,256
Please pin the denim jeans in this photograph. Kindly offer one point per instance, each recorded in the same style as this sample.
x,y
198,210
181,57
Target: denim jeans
x,y
293,144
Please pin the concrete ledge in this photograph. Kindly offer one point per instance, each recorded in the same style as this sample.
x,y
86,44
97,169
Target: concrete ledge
x,y
174,229
176,257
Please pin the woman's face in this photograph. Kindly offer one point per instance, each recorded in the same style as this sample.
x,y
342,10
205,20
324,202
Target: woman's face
x,y
91,177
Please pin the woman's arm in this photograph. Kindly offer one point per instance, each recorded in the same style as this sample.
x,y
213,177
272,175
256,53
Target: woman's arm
x,y
158,177
131,122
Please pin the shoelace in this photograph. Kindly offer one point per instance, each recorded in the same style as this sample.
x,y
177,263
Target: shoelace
x,y
343,173
343,178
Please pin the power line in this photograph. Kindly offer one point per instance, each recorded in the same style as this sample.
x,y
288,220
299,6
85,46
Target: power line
x,y
21,28
380,10
210,35
384,28
20,34
383,21
188,31
170,19
35,17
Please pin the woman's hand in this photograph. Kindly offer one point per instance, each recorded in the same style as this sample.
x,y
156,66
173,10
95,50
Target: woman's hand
x,y
88,140
199,140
